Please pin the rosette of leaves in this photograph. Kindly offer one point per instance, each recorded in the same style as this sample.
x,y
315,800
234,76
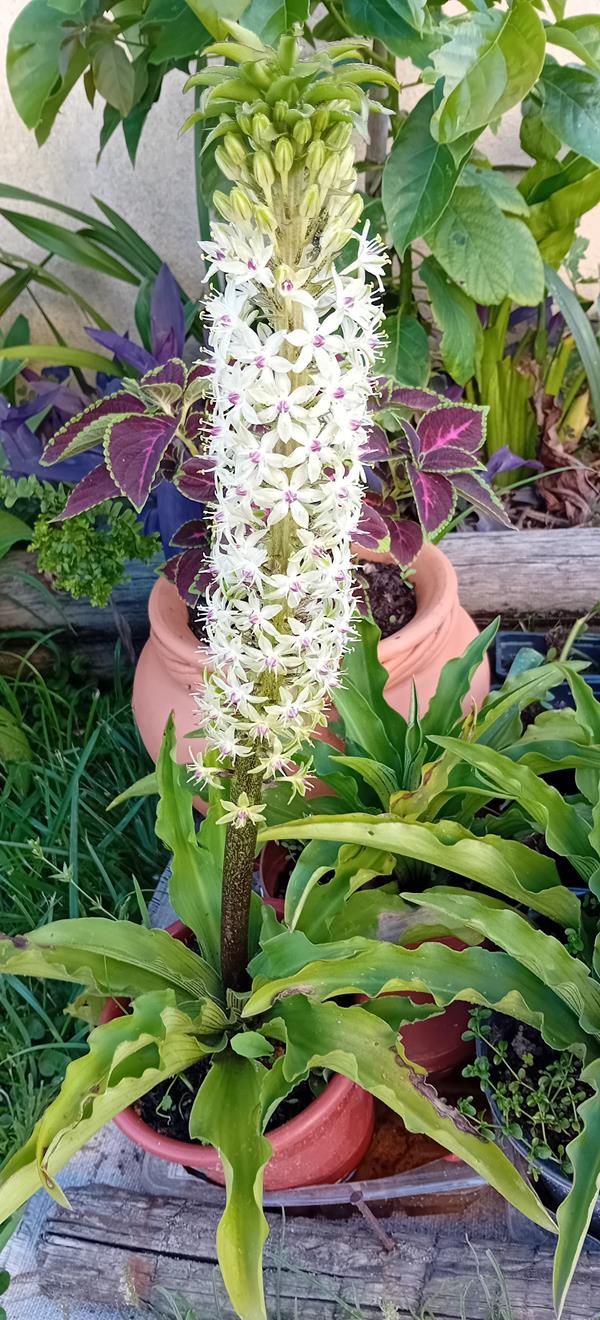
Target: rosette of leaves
x,y
431,462
149,433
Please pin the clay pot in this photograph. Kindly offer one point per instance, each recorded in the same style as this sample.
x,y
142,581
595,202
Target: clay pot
x,y
440,631
323,1144
437,1042
169,670
273,862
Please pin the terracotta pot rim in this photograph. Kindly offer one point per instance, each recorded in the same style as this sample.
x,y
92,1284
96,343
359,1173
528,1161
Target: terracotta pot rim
x,y
177,644
435,578
207,1157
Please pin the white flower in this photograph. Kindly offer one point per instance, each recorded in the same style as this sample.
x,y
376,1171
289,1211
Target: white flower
x,y
289,494
241,812
279,403
316,341
369,258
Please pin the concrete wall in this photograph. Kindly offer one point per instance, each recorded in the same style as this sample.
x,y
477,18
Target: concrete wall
x,y
157,197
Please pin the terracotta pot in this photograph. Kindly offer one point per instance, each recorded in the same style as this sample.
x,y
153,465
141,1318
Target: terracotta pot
x,y
437,1042
170,667
322,1144
440,630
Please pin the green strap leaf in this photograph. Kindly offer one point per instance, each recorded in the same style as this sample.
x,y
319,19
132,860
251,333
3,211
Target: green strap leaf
x,y
364,673
504,865
61,354
445,707
363,1048
541,953
197,865
579,325
313,907
127,1058
565,831
63,242
575,1212
110,958
359,966
227,1112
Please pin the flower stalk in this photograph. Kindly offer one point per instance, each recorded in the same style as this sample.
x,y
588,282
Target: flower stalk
x,y
293,339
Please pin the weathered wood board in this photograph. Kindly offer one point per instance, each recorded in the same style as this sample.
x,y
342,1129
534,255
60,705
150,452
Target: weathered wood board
x,y
515,573
119,1248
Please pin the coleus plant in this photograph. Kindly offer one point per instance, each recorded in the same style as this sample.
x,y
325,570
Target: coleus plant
x,y
429,464
278,614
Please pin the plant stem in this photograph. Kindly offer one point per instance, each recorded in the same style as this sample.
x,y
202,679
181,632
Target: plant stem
x,y
238,868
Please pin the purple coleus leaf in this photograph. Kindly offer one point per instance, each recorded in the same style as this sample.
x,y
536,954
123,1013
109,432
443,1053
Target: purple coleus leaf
x,y
192,535
415,399
95,488
474,488
406,539
413,448
448,459
173,372
452,424
133,452
372,532
122,348
196,479
88,428
434,498
190,575
167,323
376,446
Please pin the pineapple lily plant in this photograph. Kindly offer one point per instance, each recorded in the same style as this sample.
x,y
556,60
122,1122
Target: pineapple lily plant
x,y
294,336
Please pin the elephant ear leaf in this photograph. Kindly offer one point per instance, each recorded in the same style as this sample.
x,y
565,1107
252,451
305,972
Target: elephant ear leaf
x,y
127,1057
575,1212
228,1113
363,1048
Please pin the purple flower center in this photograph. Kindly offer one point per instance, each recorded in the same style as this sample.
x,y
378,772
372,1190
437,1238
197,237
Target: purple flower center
x,y
290,497
260,361
318,341
252,264
283,406
234,397
340,393
287,286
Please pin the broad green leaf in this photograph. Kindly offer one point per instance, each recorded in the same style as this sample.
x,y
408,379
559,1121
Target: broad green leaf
x,y
579,325
488,254
227,1112
363,1048
579,34
419,178
127,1058
563,208
12,530
446,705
397,23
457,317
212,12
313,908
575,1212
380,914
517,692
251,1045
109,957
270,18
571,107
65,243
379,777
504,865
541,953
114,75
489,65
534,135
32,62
493,181
563,827
197,866
59,354
405,356
359,966
362,670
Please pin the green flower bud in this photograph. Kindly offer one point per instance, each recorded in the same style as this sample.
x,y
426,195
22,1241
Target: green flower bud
x,y
265,219
352,211
315,158
280,110
320,120
283,156
262,130
235,148
339,136
263,171
227,166
310,203
329,173
347,159
241,205
245,123
222,205
302,132
287,52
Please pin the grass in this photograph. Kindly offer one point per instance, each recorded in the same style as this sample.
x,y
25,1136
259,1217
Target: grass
x,y
66,749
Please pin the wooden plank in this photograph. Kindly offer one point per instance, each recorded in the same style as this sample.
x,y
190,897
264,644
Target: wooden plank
x,y
543,573
118,1248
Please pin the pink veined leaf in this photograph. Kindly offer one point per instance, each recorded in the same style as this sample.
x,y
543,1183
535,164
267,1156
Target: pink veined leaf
x,y
376,446
372,531
196,479
412,436
170,568
478,493
434,498
191,575
195,423
94,489
191,535
87,429
199,371
133,453
173,372
415,399
406,539
449,459
452,424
